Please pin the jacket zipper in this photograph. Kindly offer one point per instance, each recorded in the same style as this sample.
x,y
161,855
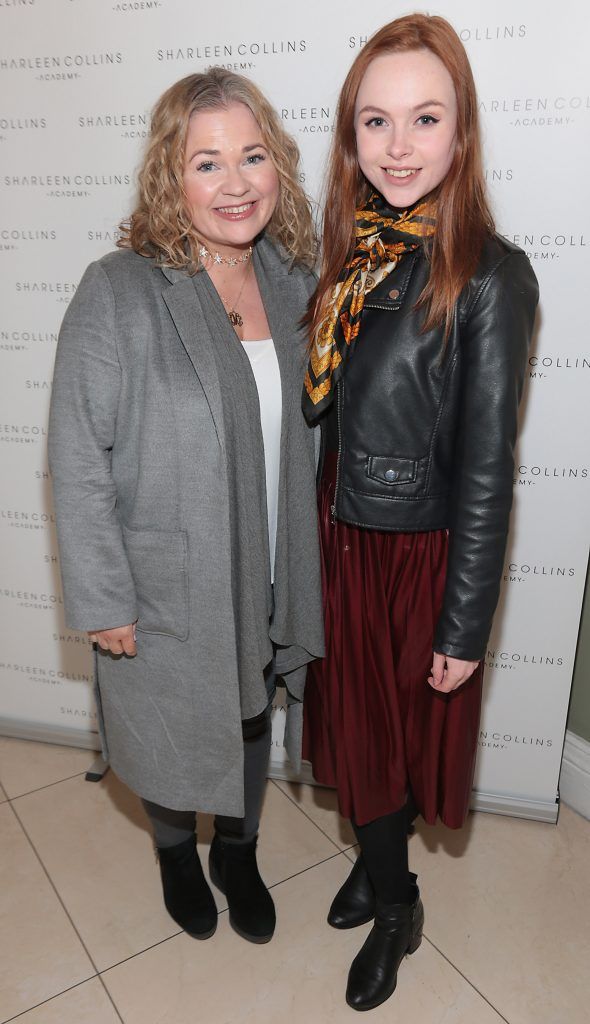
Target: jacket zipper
x,y
339,455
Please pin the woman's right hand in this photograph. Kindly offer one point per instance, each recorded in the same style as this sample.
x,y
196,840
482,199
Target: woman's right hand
x,y
120,640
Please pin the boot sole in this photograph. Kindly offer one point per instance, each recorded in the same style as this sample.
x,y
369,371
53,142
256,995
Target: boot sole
x,y
202,935
258,940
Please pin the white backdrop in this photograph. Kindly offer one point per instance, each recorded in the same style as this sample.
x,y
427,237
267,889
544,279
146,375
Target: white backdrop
x,y
78,78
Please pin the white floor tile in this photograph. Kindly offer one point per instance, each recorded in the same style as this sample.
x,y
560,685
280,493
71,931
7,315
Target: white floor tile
x,y
26,765
40,953
321,805
86,1004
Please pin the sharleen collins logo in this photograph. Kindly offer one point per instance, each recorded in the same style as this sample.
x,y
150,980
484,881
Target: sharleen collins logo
x,y
104,236
128,125
235,56
522,572
61,67
20,341
73,638
547,366
498,740
509,661
79,713
32,599
537,111
11,126
43,674
530,475
468,34
12,239
26,520
308,120
491,33
22,433
66,186
61,291
549,245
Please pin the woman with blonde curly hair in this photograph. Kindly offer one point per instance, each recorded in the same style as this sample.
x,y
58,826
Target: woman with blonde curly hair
x,y
184,483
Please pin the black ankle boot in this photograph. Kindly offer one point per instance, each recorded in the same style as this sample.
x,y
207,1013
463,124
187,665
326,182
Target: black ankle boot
x,y
373,974
187,896
354,903
234,871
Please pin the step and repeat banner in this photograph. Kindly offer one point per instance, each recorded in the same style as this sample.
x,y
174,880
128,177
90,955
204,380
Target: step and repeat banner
x,y
78,79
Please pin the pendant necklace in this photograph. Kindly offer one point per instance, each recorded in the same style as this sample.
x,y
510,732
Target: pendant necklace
x,y
235,318
217,259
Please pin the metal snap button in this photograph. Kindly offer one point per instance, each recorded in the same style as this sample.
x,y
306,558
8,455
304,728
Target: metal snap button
x,y
391,474
394,293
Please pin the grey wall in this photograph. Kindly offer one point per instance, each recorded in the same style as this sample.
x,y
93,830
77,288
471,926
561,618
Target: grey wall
x,y
579,715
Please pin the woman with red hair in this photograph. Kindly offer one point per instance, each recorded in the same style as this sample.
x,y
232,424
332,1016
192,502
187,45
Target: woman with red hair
x,y
420,329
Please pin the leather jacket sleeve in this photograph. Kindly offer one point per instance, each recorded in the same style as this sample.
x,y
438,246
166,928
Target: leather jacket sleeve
x,y
495,337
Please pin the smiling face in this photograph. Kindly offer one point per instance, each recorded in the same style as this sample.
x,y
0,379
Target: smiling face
x,y
231,184
405,121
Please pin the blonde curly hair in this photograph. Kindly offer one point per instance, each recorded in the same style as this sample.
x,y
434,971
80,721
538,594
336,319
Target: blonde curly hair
x,y
161,224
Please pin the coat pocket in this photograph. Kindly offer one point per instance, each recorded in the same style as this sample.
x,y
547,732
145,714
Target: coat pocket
x,y
389,470
158,562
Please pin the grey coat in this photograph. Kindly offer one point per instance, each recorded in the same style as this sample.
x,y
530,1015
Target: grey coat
x,y
138,460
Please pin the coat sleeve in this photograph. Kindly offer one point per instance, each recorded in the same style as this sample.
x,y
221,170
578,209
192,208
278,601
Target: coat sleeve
x,y
98,586
494,350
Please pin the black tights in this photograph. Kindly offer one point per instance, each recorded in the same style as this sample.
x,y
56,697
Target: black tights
x,y
384,847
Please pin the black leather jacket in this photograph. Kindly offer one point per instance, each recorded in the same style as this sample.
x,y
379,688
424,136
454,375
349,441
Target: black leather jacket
x,y
426,435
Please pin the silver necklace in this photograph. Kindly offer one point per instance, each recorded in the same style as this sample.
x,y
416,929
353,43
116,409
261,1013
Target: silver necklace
x,y
230,261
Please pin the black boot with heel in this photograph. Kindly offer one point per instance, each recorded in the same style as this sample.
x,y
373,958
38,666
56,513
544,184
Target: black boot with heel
x,y
187,896
233,869
397,931
399,915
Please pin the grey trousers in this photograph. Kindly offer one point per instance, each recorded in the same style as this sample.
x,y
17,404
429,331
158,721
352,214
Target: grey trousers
x,y
173,827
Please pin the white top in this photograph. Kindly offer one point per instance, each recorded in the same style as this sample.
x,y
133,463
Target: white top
x,y
265,367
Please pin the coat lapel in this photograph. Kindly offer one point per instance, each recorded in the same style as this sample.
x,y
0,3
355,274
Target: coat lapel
x,y
270,274
282,315
185,306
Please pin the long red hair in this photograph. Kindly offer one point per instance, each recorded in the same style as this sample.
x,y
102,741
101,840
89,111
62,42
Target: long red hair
x,y
464,219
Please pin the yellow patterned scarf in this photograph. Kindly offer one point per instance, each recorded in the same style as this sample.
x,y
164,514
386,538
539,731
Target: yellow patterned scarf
x,y
382,239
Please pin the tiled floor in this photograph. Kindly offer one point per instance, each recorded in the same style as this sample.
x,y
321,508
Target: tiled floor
x,y
84,938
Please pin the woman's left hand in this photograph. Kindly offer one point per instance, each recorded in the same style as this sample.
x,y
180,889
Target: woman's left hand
x,y
450,673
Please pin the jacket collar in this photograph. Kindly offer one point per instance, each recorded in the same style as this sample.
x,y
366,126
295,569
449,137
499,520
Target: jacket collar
x,y
392,291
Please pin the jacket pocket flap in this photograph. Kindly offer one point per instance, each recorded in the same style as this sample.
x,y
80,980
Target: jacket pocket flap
x,y
389,470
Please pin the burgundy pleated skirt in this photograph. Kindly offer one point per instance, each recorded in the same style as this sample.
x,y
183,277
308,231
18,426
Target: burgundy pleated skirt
x,y
373,727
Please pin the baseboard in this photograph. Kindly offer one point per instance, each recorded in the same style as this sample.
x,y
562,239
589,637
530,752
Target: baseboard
x,y
515,806
492,803
574,781
284,773
64,736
